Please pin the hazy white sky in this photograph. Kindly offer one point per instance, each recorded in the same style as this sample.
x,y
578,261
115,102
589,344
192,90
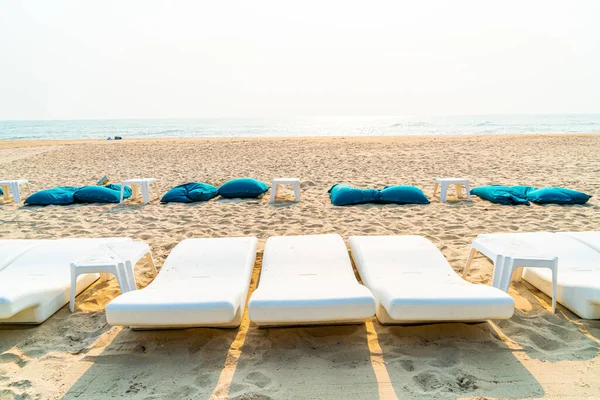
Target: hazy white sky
x,y
154,59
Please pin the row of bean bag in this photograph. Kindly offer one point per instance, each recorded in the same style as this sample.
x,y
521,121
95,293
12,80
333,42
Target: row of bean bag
x,y
513,195
65,195
198,191
345,195
339,194
187,193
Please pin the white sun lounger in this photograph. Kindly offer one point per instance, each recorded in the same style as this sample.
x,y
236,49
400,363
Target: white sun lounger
x,y
10,249
37,283
591,238
413,283
578,286
308,280
204,282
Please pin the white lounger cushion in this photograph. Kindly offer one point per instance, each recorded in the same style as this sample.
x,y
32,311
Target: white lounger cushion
x,y
37,283
578,270
591,238
204,282
10,249
308,280
413,283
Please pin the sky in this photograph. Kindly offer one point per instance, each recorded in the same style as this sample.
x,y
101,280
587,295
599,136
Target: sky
x,y
185,59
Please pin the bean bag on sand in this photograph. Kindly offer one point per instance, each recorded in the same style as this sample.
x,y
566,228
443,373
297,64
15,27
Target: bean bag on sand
x,y
344,195
62,195
403,195
190,193
557,195
101,194
243,188
506,195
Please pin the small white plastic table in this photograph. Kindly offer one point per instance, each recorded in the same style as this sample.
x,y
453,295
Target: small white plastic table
x,y
510,255
13,186
295,182
118,259
144,184
445,182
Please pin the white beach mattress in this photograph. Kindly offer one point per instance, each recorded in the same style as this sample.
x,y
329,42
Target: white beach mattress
x,y
578,270
37,283
413,283
308,280
591,238
204,282
10,249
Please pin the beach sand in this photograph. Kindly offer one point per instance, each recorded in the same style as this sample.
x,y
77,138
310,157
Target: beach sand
x,y
535,354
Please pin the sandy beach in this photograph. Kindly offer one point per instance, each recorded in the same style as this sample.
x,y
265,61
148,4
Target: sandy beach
x,y
535,354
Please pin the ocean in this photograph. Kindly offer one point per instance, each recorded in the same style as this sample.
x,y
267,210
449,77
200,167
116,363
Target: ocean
x,y
300,127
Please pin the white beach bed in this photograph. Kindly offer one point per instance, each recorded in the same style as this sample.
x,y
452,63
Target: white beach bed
x,y
10,249
307,280
204,282
578,269
37,282
413,283
591,238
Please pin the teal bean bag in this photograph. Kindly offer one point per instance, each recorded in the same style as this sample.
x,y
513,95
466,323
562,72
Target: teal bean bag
x,y
243,188
190,193
506,195
345,195
557,195
101,194
403,195
62,195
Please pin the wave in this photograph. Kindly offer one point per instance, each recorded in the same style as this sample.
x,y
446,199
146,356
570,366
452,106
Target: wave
x,y
411,124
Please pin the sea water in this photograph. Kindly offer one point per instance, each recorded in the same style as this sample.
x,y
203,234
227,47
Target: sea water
x,y
302,127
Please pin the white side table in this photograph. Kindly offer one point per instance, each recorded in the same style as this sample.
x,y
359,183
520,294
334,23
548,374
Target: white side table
x,y
13,186
295,182
118,259
144,184
509,255
445,182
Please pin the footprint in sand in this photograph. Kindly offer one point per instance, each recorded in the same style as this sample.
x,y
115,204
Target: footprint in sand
x,y
203,380
183,392
258,378
407,365
21,384
33,351
139,349
12,358
431,381
237,388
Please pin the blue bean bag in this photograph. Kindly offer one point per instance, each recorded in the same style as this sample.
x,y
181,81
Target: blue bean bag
x,y
403,195
61,195
101,194
345,195
506,195
190,193
557,195
243,187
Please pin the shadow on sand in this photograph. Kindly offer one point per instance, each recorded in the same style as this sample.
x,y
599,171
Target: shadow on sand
x,y
156,364
453,361
310,362
547,336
